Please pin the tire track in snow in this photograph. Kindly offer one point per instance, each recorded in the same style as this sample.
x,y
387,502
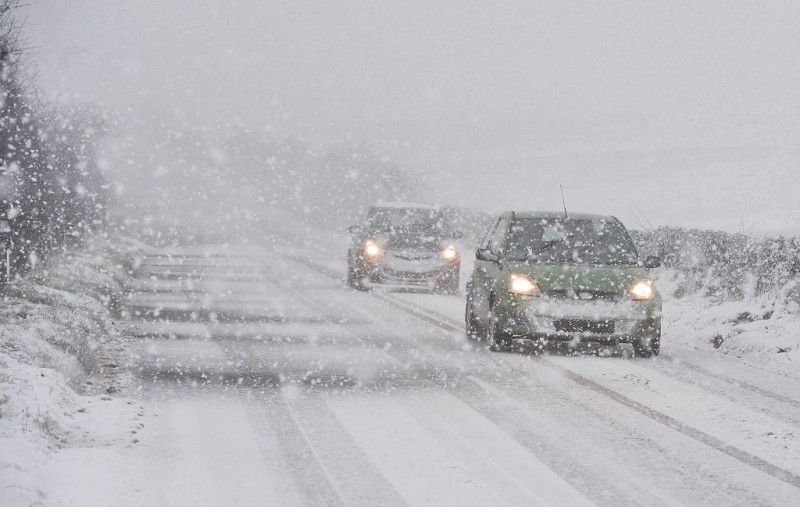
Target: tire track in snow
x,y
307,447
354,480
584,479
453,419
439,378
700,436
581,479
738,383
314,488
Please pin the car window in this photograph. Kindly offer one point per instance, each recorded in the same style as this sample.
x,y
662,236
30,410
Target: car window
x,y
392,219
550,232
591,241
496,240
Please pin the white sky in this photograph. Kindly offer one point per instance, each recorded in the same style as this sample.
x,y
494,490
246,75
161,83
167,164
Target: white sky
x,y
682,112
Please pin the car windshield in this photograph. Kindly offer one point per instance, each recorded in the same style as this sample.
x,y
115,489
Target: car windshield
x,y
556,240
393,219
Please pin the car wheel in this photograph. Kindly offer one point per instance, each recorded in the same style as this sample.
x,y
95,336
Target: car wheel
x,y
448,282
498,339
451,285
354,277
539,346
472,327
351,279
647,347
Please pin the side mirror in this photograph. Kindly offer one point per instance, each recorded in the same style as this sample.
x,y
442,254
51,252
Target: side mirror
x,y
652,262
486,255
354,229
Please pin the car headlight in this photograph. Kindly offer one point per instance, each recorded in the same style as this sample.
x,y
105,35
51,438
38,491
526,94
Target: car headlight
x,y
642,290
449,253
372,249
523,285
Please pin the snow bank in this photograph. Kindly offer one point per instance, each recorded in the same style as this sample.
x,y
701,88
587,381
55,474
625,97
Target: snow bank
x,y
761,330
60,351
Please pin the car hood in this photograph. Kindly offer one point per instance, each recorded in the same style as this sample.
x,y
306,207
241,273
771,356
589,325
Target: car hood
x,y
411,240
573,276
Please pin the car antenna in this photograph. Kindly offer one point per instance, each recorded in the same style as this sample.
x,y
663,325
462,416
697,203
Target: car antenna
x,y
564,201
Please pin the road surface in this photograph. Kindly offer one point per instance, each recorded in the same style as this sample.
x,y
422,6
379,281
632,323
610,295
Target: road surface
x,y
271,383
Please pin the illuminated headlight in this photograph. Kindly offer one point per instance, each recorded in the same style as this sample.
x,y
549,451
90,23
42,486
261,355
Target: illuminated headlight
x,y
449,253
372,249
523,285
642,290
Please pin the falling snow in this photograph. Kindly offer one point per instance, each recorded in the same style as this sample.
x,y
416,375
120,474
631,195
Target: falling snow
x,y
185,187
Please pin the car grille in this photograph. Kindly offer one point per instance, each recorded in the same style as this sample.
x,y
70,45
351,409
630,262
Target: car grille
x,y
412,255
585,295
584,326
409,276
545,324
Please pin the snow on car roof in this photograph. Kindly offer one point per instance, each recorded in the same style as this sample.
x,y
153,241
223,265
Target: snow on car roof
x,y
560,214
414,205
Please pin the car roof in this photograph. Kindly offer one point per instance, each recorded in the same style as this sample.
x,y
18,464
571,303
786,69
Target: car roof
x,y
560,214
404,205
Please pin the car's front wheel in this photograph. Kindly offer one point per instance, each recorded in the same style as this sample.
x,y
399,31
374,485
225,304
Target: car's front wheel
x,y
498,339
448,283
649,346
472,327
354,276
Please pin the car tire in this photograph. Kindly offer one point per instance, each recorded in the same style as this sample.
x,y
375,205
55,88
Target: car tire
x,y
472,327
354,278
448,282
452,282
648,347
350,281
498,339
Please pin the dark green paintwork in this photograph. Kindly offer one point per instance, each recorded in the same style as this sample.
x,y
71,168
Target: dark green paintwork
x,y
571,276
567,276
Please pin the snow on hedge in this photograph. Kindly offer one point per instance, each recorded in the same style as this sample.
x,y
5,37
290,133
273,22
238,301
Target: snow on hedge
x,y
60,363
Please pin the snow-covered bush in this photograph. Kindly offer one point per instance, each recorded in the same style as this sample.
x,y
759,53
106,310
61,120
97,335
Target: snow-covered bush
x,y
59,339
69,301
723,265
51,190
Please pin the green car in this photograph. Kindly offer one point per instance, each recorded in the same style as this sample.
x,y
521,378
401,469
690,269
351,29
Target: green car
x,y
553,277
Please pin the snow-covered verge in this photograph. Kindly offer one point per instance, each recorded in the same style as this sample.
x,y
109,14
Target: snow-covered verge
x,y
63,380
761,330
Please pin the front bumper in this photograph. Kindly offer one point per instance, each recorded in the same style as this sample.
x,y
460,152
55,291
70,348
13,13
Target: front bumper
x,y
411,269
609,322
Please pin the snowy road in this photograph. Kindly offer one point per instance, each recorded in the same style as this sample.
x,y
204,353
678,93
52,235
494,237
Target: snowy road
x,y
273,384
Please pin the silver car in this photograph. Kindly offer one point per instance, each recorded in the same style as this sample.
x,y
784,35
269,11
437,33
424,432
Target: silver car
x,y
404,244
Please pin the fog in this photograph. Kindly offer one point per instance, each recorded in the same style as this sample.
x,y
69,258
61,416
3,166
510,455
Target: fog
x,y
678,113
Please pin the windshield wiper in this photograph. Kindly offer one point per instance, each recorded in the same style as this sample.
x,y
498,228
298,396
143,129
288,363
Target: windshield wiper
x,y
548,244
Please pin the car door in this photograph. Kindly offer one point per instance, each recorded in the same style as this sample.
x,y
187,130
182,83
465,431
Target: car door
x,y
487,268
